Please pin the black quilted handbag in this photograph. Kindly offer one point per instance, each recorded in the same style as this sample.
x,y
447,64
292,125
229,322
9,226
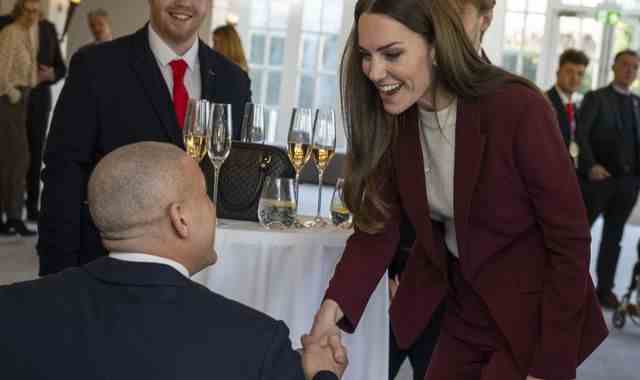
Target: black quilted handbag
x,y
244,173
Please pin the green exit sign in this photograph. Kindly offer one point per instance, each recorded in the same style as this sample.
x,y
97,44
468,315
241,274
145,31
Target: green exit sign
x,y
609,17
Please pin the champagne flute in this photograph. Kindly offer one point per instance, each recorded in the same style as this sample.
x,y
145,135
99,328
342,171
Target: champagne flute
x,y
253,130
219,145
340,215
197,127
299,143
323,148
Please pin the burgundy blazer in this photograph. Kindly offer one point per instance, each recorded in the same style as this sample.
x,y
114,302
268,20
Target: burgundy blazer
x,y
522,231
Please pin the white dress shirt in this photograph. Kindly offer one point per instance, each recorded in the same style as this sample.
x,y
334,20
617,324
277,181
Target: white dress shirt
x,y
438,141
144,258
164,55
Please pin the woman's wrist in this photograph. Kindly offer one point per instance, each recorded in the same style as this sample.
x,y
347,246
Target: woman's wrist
x,y
334,309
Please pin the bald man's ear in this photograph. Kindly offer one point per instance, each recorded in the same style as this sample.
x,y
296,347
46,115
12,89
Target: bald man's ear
x,y
179,220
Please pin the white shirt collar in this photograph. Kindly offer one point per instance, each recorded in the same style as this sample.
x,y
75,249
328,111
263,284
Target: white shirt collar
x,y
620,90
145,258
565,99
164,54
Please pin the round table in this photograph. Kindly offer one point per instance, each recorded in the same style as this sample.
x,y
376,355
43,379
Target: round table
x,y
285,274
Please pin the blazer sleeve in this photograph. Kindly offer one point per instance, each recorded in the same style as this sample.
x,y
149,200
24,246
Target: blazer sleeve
x,y
69,158
587,117
281,362
363,263
552,187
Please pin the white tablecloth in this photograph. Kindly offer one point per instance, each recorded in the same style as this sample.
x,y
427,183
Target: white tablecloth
x,y
285,274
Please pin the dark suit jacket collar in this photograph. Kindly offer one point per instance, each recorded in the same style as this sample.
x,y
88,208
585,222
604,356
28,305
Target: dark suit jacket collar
x,y
145,66
559,105
135,274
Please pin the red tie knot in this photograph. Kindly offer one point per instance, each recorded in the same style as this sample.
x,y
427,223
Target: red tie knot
x,y
179,67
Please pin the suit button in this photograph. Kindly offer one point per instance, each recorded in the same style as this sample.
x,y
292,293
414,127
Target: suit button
x,y
627,169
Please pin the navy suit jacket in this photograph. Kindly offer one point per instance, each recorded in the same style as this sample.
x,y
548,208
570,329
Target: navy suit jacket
x,y
600,132
121,320
115,95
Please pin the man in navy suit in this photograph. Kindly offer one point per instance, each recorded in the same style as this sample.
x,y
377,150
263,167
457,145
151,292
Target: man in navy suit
x,y
128,90
136,314
571,68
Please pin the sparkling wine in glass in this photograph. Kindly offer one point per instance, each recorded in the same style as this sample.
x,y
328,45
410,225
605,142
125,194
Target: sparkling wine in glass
x,y
219,144
253,130
197,127
340,215
323,148
299,142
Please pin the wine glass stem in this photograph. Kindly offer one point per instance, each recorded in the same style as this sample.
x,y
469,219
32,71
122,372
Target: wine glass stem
x,y
320,174
216,175
296,185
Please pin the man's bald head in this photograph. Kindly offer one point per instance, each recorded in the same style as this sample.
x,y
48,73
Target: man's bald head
x,y
132,187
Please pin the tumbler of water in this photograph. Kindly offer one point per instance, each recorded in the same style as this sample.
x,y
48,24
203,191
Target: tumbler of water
x,y
277,205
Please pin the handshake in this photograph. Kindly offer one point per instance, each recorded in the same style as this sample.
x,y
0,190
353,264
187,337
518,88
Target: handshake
x,y
322,348
323,354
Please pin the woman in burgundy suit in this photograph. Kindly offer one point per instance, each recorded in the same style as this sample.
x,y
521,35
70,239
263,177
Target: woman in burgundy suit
x,y
473,156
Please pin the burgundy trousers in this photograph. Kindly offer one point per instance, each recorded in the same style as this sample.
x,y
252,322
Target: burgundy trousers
x,y
470,346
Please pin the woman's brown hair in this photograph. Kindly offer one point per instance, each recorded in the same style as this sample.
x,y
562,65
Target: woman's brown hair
x,y
230,45
370,130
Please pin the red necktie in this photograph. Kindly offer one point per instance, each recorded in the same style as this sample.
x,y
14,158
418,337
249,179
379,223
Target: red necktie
x,y
571,116
180,94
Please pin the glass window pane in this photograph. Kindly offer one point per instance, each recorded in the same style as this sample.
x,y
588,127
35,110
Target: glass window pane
x,y
538,6
330,53
270,124
591,3
276,51
534,33
332,16
530,62
309,56
327,91
513,28
257,48
279,13
510,60
273,88
305,91
311,19
259,13
591,38
569,31
517,5
256,85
